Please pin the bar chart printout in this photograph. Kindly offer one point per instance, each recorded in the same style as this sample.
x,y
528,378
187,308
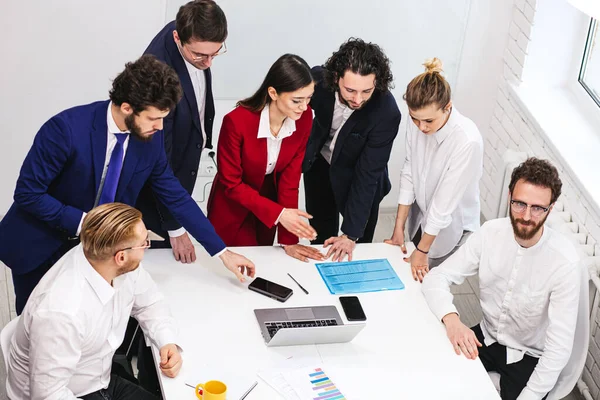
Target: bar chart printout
x,y
310,382
323,387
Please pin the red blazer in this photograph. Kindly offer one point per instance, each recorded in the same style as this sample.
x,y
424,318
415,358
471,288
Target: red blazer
x,y
241,162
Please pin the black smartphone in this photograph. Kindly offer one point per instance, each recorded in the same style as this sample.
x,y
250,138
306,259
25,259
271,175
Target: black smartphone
x,y
352,308
270,289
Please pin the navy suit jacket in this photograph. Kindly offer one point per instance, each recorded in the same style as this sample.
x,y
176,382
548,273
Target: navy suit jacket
x,y
182,131
60,177
358,172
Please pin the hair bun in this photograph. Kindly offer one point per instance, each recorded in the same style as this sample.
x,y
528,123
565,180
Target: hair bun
x,y
433,65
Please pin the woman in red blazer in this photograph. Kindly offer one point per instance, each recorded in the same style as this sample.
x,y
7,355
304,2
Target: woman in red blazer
x,y
260,152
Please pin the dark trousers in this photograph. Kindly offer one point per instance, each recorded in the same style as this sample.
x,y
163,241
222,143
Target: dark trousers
x,y
150,207
321,204
253,232
25,283
120,389
513,377
147,374
162,244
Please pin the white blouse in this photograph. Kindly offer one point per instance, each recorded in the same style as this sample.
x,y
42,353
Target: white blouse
x,y
273,143
441,176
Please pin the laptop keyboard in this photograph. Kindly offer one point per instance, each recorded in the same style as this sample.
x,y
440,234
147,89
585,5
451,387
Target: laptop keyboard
x,y
273,327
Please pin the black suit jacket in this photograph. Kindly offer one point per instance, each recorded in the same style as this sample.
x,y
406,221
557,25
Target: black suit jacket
x,y
358,172
183,135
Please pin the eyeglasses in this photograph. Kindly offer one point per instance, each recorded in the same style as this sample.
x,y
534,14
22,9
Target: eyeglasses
x,y
198,57
519,207
146,245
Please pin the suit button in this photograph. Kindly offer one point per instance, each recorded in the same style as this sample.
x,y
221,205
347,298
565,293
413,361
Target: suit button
x,y
193,173
198,146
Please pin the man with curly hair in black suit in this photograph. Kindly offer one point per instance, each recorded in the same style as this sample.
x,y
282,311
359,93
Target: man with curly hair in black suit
x,y
345,166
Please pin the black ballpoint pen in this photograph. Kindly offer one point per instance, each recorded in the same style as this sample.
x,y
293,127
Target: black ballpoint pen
x,y
304,290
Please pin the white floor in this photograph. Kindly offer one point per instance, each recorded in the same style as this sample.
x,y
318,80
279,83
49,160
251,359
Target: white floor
x,y
465,296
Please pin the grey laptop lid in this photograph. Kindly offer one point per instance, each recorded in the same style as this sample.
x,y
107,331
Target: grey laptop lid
x,y
316,335
300,318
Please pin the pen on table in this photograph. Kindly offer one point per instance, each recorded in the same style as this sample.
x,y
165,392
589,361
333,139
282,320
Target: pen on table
x,y
249,390
304,290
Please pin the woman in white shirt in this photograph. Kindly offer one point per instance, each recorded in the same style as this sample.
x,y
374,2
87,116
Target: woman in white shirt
x,y
261,147
439,183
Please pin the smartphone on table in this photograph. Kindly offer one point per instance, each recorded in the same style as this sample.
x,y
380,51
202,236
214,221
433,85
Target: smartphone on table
x,y
270,289
352,308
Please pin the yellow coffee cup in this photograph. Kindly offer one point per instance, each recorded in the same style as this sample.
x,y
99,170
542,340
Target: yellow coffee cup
x,y
211,390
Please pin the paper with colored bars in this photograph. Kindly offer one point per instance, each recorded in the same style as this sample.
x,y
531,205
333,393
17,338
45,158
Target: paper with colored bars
x,y
359,276
311,383
323,387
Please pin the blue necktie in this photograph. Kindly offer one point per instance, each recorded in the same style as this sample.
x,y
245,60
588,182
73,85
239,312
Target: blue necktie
x,y
111,181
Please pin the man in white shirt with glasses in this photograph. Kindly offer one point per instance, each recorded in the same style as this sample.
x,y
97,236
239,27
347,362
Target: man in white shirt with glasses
x,y
530,279
76,317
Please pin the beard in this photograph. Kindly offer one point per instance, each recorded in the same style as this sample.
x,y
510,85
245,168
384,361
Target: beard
x,y
135,129
527,229
131,266
345,102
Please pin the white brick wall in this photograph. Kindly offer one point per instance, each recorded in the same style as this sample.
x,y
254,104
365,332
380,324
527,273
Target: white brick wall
x,y
510,128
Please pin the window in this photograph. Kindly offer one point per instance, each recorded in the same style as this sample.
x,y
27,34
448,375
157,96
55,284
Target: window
x,y
589,76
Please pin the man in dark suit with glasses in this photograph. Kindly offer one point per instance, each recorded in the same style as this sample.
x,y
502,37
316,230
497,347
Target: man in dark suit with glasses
x,y
189,44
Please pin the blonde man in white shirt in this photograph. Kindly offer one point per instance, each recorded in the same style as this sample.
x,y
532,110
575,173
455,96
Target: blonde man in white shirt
x,y
439,183
76,317
530,279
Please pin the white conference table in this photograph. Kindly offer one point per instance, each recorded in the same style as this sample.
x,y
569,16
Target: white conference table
x,y
403,343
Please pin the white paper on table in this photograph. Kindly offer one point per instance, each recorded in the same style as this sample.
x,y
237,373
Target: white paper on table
x,y
295,357
275,379
300,380
354,383
237,382
295,383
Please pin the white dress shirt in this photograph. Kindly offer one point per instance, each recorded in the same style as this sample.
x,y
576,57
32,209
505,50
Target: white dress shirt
x,y
273,142
529,296
199,84
110,145
72,325
341,113
440,176
111,141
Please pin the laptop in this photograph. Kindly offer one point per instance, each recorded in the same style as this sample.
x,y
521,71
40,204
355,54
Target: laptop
x,y
304,325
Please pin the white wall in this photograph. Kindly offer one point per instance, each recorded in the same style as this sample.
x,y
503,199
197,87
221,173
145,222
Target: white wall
x,y
408,31
481,64
65,53
537,53
58,54
260,31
